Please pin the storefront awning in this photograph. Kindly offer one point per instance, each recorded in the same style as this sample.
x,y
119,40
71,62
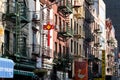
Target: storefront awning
x,y
6,68
24,73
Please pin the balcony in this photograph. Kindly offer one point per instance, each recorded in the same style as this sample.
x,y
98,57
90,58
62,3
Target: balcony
x,y
79,13
97,44
97,31
91,57
88,16
66,32
78,3
79,35
110,54
109,71
90,2
17,11
110,41
65,7
90,37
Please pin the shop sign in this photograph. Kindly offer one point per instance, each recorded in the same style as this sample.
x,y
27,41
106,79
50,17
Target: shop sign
x,y
81,71
6,68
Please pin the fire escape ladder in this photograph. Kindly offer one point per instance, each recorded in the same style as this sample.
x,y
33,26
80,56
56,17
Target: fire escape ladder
x,y
68,27
20,43
67,21
23,14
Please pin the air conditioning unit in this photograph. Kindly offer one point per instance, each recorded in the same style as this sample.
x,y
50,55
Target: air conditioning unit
x,y
36,16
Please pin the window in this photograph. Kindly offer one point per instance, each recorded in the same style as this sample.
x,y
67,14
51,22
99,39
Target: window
x,y
80,30
6,44
60,54
77,49
42,13
21,45
71,45
74,27
55,19
80,49
64,50
23,48
34,41
48,14
119,66
60,23
74,47
11,6
64,25
71,24
55,52
77,28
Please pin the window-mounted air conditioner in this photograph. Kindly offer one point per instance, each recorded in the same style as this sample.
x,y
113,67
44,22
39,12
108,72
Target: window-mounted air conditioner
x,y
36,16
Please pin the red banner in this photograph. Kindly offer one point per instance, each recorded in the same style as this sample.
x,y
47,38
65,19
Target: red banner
x,y
48,27
81,70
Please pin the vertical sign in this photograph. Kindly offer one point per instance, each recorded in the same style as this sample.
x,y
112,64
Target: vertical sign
x,y
103,67
103,64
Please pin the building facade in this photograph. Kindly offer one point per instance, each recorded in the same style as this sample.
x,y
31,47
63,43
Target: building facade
x,y
112,12
17,43
77,49
53,39
110,50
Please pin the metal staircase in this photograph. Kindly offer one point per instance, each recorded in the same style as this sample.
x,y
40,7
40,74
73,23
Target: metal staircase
x,y
17,14
20,43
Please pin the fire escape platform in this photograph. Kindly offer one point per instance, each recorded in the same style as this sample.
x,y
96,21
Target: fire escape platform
x,y
65,34
65,9
12,17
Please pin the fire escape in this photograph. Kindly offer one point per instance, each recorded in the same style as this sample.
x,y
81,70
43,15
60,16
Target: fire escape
x,y
65,9
89,18
17,15
65,32
79,13
90,2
